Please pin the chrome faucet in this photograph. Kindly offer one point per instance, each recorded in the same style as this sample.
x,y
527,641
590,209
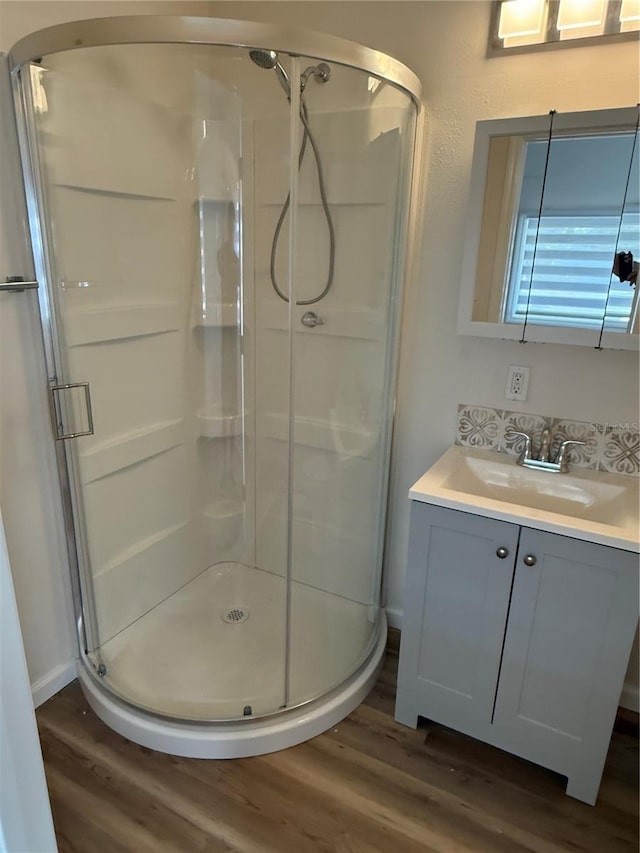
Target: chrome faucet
x,y
542,463
543,455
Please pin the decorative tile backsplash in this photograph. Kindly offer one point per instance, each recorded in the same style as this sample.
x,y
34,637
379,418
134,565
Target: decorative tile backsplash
x,y
609,447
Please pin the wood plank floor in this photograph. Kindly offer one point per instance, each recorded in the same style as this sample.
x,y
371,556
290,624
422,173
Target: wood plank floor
x,y
367,785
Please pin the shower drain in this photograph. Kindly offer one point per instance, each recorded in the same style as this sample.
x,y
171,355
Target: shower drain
x,y
235,616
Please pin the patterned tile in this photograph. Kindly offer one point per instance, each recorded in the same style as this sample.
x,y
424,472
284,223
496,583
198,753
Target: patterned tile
x,y
478,427
620,452
609,447
522,422
582,456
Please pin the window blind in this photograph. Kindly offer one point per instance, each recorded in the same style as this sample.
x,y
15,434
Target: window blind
x,y
573,262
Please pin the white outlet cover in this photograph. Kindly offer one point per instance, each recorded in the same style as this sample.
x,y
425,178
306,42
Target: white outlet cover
x,y
517,383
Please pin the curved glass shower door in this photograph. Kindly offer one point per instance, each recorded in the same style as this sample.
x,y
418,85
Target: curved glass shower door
x,y
221,234
344,367
145,168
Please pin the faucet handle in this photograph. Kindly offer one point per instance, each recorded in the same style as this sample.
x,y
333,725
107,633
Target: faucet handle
x,y
543,454
525,453
562,459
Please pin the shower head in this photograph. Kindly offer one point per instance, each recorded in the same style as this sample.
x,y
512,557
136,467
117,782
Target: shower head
x,y
269,59
264,58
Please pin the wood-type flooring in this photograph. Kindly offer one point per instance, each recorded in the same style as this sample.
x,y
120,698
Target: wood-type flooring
x,y
369,784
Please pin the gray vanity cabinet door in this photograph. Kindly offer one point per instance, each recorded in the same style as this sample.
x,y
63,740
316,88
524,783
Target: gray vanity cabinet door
x,y
572,619
456,601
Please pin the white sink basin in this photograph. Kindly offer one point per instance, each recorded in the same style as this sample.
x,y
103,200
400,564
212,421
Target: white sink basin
x,y
589,505
566,494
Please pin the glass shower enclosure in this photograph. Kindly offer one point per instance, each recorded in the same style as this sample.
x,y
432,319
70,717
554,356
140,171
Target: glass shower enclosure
x,y
219,234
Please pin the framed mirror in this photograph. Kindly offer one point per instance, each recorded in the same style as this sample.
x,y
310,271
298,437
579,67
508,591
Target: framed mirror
x,y
553,200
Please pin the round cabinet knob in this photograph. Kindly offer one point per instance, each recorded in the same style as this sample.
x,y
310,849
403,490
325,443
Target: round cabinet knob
x,y
502,552
530,560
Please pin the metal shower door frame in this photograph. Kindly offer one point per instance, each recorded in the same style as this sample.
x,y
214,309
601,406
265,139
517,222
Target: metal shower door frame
x,y
74,522
171,29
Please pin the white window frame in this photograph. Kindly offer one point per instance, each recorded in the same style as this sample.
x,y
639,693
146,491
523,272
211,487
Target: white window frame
x,y
515,282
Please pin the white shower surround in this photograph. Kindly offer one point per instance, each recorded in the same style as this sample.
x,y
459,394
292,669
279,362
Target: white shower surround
x,y
147,445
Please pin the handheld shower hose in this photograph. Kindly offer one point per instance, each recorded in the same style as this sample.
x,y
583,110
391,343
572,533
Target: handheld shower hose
x,y
269,59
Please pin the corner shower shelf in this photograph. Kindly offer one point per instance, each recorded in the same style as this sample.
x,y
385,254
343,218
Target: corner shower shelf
x,y
224,509
223,522
216,315
216,423
224,198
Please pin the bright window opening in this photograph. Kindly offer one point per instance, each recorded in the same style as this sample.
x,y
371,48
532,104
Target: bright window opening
x,y
572,270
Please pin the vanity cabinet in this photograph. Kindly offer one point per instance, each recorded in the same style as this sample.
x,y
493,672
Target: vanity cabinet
x,y
518,637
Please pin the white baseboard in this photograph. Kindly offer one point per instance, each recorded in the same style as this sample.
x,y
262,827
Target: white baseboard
x,y
47,686
629,698
394,617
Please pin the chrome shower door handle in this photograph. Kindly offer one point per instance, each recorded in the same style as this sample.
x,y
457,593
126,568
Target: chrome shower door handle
x,y
17,284
56,416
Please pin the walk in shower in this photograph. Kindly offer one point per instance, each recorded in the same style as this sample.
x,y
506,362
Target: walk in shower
x,y
218,213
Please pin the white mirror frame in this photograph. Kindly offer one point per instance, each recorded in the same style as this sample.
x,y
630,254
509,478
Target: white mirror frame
x,y
528,126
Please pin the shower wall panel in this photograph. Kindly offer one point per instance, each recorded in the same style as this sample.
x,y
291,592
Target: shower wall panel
x,y
340,388
221,347
125,240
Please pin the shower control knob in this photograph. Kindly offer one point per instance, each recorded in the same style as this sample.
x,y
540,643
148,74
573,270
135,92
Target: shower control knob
x,y
311,319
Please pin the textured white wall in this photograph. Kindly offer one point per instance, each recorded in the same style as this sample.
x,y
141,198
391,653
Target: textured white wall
x,y
25,814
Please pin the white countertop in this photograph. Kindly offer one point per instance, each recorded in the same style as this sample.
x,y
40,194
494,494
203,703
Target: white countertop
x,y
583,504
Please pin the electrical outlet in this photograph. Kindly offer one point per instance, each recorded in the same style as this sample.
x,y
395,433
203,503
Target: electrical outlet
x,y
517,383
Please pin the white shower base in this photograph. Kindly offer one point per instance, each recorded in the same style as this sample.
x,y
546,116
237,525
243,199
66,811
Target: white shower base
x,y
182,659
